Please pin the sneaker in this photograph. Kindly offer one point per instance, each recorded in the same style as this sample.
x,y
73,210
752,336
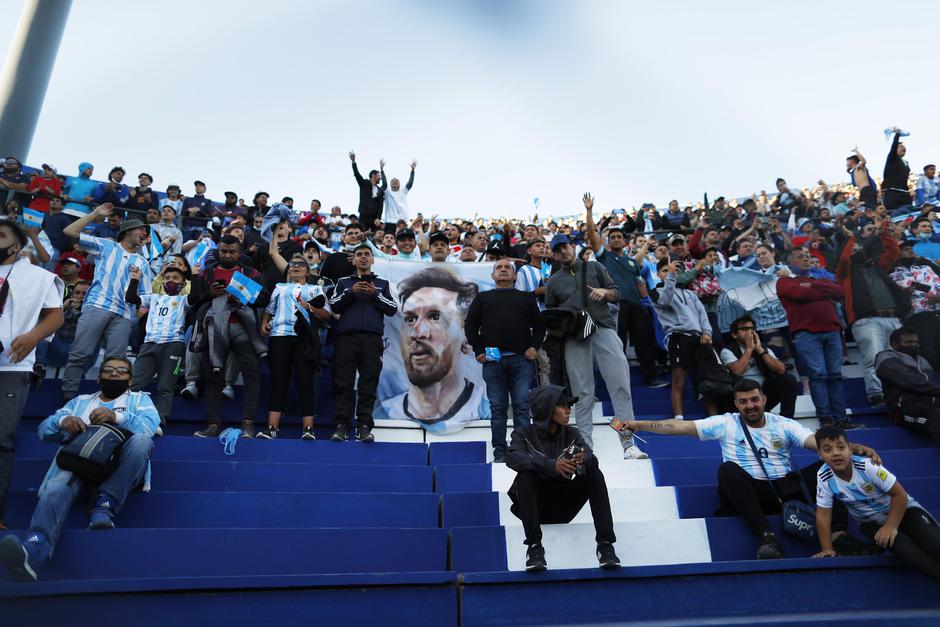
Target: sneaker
x,y
499,456
341,433
847,544
606,556
24,559
211,431
877,401
190,391
102,516
826,421
268,433
535,559
248,428
228,392
658,383
308,434
364,434
634,452
848,425
159,432
769,547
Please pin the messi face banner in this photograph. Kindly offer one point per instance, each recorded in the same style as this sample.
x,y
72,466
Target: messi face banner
x,y
429,373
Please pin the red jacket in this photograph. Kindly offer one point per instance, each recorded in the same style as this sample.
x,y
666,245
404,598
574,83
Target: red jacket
x,y
890,252
809,308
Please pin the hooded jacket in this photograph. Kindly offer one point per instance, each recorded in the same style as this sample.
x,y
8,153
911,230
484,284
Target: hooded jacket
x,y
533,448
906,379
79,187
879,254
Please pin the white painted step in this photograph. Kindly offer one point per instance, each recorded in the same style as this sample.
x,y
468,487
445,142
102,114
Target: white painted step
x,y
626,505
619,473
638,544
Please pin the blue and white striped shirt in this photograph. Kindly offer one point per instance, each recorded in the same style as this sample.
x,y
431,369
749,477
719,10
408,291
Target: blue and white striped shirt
x,y
285,302
166,321
773,441
865,494
529,278
112,274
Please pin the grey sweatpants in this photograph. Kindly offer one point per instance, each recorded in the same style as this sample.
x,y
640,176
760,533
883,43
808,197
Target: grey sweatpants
x,y
94,326
605,348
163,361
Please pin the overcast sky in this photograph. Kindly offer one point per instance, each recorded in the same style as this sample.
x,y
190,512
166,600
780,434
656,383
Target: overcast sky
x,y
501,101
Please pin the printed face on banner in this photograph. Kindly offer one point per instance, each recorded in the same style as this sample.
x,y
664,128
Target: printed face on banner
x,y
429,375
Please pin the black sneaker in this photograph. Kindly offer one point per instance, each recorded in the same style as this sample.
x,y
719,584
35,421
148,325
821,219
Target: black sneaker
x,y
364,433
827,421
211,431
499,456
535,559
769,548
308,434
268,433
341,433
877,401
606,556
656,384
848,425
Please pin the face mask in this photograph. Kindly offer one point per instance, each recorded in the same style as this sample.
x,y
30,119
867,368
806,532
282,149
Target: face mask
x,y
172,288
228,265
923,236
6,252
113,388
911,351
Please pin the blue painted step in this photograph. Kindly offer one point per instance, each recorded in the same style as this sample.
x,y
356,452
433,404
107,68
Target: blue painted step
x,y
182,476
252,509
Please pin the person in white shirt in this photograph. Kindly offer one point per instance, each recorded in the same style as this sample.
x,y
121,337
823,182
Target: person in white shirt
x,y
396,200
744,485
30,311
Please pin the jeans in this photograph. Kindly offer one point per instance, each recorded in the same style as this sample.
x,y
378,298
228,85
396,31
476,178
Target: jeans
x,y
821,354
871,334
64,488
54,352
510,377
95,326
14,389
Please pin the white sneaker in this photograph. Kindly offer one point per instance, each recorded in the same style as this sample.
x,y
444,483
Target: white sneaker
x,y
634,452
159,432
228,392
190,391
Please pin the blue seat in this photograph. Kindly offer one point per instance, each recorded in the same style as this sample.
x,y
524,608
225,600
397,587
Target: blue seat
x,y
253,509
181,476
478,549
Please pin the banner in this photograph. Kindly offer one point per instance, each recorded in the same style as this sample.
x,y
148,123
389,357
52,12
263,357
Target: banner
x,y
429,373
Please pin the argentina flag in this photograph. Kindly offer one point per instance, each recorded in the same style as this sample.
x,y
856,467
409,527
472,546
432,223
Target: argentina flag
x,y
243,288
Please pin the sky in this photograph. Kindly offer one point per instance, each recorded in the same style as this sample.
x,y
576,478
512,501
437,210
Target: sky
x,y
500,101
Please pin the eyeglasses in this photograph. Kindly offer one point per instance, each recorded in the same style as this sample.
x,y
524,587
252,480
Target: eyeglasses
x,y
115,370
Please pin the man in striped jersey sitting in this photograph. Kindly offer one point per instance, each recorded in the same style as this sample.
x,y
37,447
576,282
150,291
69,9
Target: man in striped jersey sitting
x,y
743,486
886,512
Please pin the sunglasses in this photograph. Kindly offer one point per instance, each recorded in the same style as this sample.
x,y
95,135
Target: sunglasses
x,y
115,370
297,264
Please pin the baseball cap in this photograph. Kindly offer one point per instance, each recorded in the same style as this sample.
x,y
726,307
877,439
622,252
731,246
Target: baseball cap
x,y
496,247
438,236
404,234
560,239
198,182
678,237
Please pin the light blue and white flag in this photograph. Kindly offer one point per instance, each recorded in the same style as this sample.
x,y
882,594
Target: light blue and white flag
x,y
200,251
156,246
749,288
32,217
243,288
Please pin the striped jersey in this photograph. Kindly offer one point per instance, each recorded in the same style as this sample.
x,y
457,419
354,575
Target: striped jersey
x,y
285,303
529,278
112,274
166,321
773,441
865,494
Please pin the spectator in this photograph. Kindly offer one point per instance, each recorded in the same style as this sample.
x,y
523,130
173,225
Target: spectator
x,y
874,304
897,172
396,200
634,322
816,332
79,191
745,257
505,330
371,193
170,236
259,208
746,358
924,244
339,264
557,473
106,316
438,246
30,311
152,216
13,178
531,277
173,199
56,351
886,512
114,191
231,208
744,487
566,290
161,355
43,187
927,190
115,405
519,250
857,167
143,197
197,205
912,395
230,330
788,202
771,318
674,219
110,227
685,328
921,279
365,300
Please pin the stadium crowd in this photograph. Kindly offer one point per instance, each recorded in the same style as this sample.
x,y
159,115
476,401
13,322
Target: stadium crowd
x,y
753,298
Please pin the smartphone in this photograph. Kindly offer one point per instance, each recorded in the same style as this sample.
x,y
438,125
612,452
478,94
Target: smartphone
x,y
617,424
220,283
920,287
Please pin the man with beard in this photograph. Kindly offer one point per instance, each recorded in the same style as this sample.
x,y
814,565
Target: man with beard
x,y
745,489
912,394
921,279
362,301
434,304
106,317
340,264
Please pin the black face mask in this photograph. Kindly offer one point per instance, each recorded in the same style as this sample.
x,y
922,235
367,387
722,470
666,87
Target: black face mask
x,y
113,388
6,252
911,351
228,265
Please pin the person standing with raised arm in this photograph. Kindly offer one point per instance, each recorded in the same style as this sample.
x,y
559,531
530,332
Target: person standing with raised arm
x,y
857,167
371,193
895,191
396,200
